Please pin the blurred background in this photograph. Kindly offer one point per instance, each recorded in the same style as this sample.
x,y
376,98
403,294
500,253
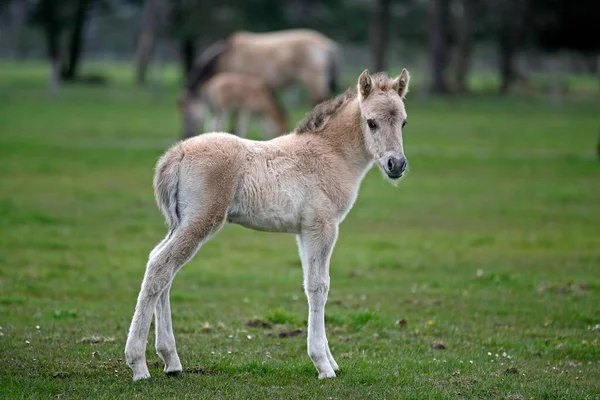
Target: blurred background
x,y
546,47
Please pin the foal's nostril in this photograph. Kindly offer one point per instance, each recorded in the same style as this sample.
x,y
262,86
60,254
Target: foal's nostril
x,y
390,164
403,165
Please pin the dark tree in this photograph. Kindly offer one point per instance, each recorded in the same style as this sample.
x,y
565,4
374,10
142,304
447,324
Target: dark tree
x,y
70,69
465,31
146,39
47,15
380,19
438,21
514,19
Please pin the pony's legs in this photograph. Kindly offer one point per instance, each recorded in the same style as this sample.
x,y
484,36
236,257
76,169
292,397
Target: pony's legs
x,y
161,268
316,244
165,339
243,123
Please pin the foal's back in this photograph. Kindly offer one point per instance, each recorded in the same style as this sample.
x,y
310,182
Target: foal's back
x,y
274,183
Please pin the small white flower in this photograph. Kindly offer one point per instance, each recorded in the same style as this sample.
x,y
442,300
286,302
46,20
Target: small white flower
x,y
27,342
37,327
504,354
249,337
489,353
471,361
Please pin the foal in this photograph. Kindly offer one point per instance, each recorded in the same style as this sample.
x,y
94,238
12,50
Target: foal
x,y
229,92
302,183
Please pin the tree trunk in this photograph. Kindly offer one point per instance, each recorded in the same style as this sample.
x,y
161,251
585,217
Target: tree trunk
x,y
438,43
515,17
506,60
464,45
69,71
188,55
598,69
146,40
52,33
379,33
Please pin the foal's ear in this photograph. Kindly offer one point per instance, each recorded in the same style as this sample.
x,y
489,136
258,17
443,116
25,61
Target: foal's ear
x,y
401,83
364,84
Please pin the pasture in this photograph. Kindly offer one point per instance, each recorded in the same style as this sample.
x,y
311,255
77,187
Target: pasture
x,y
478,277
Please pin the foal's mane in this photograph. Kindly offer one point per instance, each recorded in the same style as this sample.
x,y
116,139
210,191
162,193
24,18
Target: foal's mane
x,y
318,117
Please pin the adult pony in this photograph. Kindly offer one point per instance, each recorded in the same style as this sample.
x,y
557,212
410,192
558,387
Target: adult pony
x,y
280,58
302,183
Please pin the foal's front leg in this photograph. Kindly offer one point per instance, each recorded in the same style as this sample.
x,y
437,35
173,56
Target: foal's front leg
x,y
316,244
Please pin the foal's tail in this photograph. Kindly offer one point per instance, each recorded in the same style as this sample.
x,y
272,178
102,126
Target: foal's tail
x,y
166,185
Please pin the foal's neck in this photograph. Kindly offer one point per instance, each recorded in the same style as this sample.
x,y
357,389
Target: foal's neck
x,y
344,133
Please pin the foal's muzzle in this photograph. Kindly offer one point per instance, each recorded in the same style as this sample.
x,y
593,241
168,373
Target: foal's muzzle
x,y
395,167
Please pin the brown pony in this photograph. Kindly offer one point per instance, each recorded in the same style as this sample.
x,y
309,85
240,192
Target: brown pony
x,y
280,58
230,92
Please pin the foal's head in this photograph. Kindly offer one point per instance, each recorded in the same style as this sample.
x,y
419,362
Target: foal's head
x,y
382,119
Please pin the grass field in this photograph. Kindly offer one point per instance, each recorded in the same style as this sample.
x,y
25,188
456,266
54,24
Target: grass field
x,y
489,250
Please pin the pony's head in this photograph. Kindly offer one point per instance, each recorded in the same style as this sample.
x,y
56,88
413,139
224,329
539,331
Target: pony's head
x,y
383,117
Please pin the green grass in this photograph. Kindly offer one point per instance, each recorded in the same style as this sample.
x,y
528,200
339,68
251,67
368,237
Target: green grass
x,y
491,245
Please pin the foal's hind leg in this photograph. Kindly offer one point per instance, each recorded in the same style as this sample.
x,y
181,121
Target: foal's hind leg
x,y
165,339
162,266
316,243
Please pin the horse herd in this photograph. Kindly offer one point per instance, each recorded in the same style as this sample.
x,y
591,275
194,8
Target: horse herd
x,y
241,73
303,183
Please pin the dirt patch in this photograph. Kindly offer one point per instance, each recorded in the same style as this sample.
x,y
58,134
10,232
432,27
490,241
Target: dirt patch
x,y
259,323
438,345
290,333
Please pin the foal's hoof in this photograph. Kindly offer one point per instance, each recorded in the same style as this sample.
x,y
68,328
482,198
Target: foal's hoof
x,y
327,375
173,373
141,376
334,365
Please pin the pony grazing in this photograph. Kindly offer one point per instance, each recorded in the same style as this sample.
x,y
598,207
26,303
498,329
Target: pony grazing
x,y
232,92
280,58
302,183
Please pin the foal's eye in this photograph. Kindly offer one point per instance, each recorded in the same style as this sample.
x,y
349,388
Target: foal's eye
x,y
372,124
404,123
